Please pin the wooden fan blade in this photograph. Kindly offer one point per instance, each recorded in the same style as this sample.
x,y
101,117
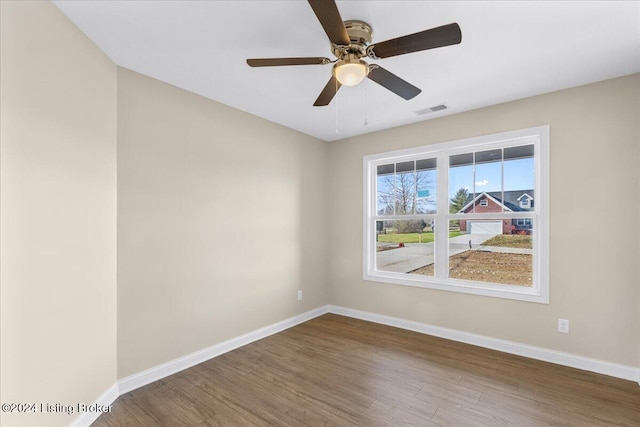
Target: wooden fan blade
x,y
327,13
329,91
276,62
435,37
392,82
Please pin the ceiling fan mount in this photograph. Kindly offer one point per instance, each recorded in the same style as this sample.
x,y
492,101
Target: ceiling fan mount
x,y
360,35
351,41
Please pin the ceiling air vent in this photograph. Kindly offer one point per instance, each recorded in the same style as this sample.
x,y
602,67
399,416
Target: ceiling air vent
x,y
432,109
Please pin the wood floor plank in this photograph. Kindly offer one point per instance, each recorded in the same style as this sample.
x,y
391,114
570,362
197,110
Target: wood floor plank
x,y
398,416
544,413
346,405
447,418
339,371
126,413
438,392
486,416
493,381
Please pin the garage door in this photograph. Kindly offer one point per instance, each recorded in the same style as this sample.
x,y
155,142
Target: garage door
x,y
485,227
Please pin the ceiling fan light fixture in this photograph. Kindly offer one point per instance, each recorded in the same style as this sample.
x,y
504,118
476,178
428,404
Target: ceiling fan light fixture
x,y
351,41
350,72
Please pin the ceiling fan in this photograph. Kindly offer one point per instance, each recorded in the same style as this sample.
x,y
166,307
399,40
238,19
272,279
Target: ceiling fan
x,y
351,41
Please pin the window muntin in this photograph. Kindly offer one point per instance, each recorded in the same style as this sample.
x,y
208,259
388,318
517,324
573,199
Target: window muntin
x,y
497,168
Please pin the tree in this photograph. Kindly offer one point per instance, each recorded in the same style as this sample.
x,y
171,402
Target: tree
x,y
459,200
397,193
409,226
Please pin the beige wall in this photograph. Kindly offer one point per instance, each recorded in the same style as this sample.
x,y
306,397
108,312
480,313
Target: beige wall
x,y
58,213
637,119
594,248
223,216
220,222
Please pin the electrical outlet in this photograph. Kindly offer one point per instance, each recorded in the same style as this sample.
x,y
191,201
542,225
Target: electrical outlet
x,y
563,326
300,295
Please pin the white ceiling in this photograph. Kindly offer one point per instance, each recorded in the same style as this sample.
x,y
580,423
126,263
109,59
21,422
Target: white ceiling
x,y
509,50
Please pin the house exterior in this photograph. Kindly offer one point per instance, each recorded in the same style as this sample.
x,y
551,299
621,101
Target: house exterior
x,y
496,201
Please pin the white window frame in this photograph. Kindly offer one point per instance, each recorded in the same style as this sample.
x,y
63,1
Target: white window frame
x,y
484,203
539,291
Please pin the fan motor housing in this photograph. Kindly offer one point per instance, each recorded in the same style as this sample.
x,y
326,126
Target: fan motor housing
x,y
360,34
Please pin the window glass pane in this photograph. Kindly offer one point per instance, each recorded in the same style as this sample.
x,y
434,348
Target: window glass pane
x,y
405,246
385,169
488,180
405,187
460,182
519,152
493,250
519,178
465,159
426,164
384,189
426,184
405,166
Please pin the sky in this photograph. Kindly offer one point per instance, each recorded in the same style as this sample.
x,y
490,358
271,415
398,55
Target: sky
x,y
518,175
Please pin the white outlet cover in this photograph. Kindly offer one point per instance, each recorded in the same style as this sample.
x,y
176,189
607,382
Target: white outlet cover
x,y
563,326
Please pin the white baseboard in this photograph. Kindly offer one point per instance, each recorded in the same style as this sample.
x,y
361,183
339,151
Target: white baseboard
x,y
107,398
150,375
566,359
145,377
158,372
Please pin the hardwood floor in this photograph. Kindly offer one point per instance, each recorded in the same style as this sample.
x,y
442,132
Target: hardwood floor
x,y
335,370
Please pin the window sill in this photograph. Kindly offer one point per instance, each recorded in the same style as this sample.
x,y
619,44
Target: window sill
x,y
512,292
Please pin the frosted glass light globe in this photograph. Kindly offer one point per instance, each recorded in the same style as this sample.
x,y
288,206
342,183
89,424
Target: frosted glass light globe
x,y
350,73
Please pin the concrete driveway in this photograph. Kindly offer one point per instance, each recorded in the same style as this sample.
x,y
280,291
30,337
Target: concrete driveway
x,y
416,255
403,260
465,242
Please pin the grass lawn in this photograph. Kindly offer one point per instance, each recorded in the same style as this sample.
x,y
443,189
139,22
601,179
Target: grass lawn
x,y
427,237
510,241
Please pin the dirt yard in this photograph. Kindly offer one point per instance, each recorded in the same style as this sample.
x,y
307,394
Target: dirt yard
x,y
493,267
